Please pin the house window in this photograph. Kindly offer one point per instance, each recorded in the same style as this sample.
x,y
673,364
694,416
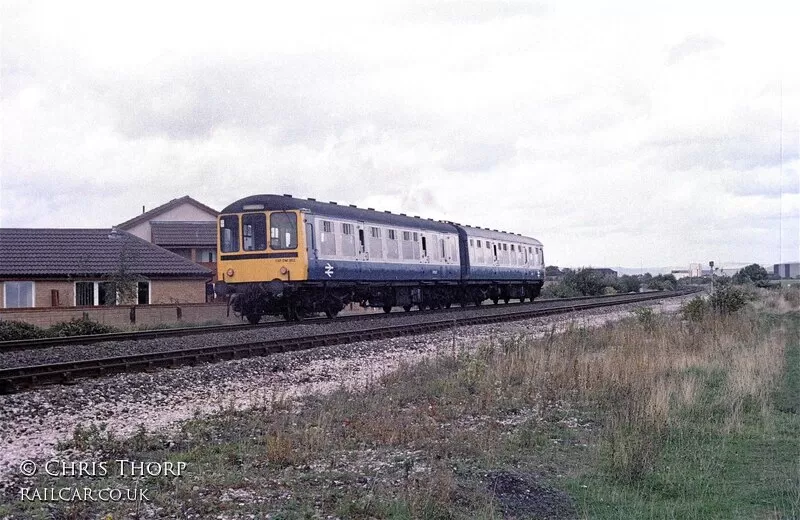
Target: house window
x,y
93,293
84,293
206,255
143,293
18,294
99,293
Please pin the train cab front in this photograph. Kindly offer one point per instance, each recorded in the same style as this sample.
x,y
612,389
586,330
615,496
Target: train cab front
x,y
261,260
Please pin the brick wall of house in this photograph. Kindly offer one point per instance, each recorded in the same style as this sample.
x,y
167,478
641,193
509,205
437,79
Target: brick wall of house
x,y
44,296
177,291
120,316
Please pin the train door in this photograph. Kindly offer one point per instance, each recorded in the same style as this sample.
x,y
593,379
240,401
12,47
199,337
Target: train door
x,y
362,254
495,262
311,249
424,256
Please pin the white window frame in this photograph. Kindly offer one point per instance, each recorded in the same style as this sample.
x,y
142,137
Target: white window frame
x,y
96,292
5,294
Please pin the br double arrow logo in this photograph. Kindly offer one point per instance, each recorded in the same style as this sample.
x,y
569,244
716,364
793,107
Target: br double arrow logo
x,y
328,270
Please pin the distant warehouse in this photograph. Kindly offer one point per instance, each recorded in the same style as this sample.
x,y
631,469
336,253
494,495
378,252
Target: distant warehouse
x,y
790,270
92,267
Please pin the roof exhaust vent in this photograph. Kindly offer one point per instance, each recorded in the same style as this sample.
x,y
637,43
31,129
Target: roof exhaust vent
x,y
287,194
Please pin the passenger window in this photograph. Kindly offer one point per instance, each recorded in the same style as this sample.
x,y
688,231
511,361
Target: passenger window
x,y
327,239
392,247
283,231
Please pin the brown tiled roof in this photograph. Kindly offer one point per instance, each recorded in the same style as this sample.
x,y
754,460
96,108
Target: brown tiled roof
x,y
87,252
153,213
169,234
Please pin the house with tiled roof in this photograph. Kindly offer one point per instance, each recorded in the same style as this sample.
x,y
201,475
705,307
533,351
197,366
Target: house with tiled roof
x,y
183,226
82,267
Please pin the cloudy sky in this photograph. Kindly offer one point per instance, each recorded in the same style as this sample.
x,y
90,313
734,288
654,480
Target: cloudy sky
x,y
623,134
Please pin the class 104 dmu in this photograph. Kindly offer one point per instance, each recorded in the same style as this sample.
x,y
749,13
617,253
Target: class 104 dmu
x,y
284,256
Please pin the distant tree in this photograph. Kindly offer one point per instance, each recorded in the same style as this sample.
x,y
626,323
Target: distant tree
x,y
627,283
585,281
663,282
753,273
552,270
122,285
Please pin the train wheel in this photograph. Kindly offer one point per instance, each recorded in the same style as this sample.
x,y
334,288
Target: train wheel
x,y
522,299
387,309
407,308
506,300
495,300
331,311
253,318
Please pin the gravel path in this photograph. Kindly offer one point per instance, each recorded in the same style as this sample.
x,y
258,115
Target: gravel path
x,y
32,423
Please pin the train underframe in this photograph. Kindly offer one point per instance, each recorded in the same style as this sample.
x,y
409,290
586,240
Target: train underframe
x,y
294,301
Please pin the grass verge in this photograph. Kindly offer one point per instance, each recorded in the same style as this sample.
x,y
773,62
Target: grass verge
x,y
652,417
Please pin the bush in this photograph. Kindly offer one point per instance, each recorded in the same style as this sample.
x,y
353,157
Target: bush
x,y
729,299
79,327
13,330
695,309
645,316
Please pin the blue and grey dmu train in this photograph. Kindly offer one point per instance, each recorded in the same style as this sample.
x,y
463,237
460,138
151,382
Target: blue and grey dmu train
x,y
285,256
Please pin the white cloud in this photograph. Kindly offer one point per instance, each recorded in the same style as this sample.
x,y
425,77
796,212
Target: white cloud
x,y
618,136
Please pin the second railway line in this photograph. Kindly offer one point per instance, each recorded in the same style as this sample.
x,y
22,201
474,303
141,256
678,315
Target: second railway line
x,y
28,373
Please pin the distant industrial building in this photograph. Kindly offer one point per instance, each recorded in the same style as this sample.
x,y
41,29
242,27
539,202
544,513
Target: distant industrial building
x,y
789,270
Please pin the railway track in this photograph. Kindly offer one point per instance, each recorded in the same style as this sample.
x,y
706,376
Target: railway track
x,y
18,378
40,343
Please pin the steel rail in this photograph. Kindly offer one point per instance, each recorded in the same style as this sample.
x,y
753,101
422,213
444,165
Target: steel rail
x,y
40,343
14,379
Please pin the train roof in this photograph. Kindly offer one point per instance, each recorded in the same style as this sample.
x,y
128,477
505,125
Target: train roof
x,y
332,209
351,212
501,236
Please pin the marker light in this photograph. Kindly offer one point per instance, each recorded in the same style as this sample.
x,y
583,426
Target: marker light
x,y
229,272
284,270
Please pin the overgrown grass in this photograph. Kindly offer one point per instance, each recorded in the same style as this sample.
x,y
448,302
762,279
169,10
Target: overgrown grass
x,y
653,417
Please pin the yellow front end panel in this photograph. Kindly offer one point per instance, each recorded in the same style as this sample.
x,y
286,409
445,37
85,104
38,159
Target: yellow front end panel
x,y
288,265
